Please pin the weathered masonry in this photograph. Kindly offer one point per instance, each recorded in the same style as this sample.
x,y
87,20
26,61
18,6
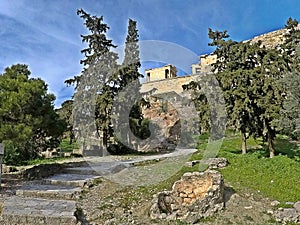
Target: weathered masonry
x,y
164,79
165,72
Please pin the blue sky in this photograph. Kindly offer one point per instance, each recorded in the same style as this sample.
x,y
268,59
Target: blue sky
x,y
45,34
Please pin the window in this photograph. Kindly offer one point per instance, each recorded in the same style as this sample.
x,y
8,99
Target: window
x,y
167,72
148,77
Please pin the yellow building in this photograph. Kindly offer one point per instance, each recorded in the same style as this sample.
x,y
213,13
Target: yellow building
x,y
161,73
204,65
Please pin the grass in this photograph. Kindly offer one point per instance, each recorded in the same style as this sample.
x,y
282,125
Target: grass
x,y
65,145
43,161
277,178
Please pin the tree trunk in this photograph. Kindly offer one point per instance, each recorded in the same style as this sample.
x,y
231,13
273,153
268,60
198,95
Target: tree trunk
x,y
104,144
271,145
244,143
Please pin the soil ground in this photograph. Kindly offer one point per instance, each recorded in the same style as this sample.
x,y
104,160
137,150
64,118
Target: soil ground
x,y
110,203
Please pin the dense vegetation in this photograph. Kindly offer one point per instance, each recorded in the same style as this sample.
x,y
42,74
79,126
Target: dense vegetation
x,y
260,86
29,123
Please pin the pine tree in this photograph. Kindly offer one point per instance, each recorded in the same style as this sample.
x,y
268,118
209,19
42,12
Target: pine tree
x,y
28,122
290,119
128,103
235,70
96,85
248,74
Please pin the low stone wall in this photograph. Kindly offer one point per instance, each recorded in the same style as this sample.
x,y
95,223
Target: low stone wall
x,y
197,195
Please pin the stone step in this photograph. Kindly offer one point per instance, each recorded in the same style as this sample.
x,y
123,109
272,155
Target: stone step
x,y
10,176
73,180
29,211
36,190
100,169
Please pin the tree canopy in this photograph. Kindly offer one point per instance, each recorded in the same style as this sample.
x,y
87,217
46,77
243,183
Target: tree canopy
x,y
29,123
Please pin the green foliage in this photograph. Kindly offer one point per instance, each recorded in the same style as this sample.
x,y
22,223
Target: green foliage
x,y
29,123
290,119
129,101
248,74
201,103
65,113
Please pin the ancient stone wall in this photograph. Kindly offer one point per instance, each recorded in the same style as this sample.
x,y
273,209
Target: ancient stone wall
x,y
271,39
158,81
165,72
168,85
195,196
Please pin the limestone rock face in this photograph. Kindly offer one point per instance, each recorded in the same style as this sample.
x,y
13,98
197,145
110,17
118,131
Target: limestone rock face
x,y
165,126
197,195
271,39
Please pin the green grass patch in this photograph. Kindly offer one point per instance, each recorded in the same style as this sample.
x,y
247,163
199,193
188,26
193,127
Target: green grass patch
x,y
65,145
277,178
43,161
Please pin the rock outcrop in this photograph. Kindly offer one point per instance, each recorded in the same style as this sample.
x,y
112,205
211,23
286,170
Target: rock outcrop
x,y
196,196
165,126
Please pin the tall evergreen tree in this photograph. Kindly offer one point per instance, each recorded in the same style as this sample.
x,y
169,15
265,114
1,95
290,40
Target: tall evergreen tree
x,y
129,99
247,73
290,113
236,69
96,85
269,94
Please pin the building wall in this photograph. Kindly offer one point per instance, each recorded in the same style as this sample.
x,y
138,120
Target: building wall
x,y
168,85
157,75
160,73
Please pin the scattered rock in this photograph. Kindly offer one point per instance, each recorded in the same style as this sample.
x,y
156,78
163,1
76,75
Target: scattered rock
x,y
8,169
275,203
287,215
195,196
213,163
289,203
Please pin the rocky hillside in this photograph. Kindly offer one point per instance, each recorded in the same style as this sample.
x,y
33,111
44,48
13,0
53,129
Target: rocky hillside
x,y
165,125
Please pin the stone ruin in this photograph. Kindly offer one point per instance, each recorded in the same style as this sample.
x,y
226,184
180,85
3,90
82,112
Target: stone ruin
x,y
195,196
